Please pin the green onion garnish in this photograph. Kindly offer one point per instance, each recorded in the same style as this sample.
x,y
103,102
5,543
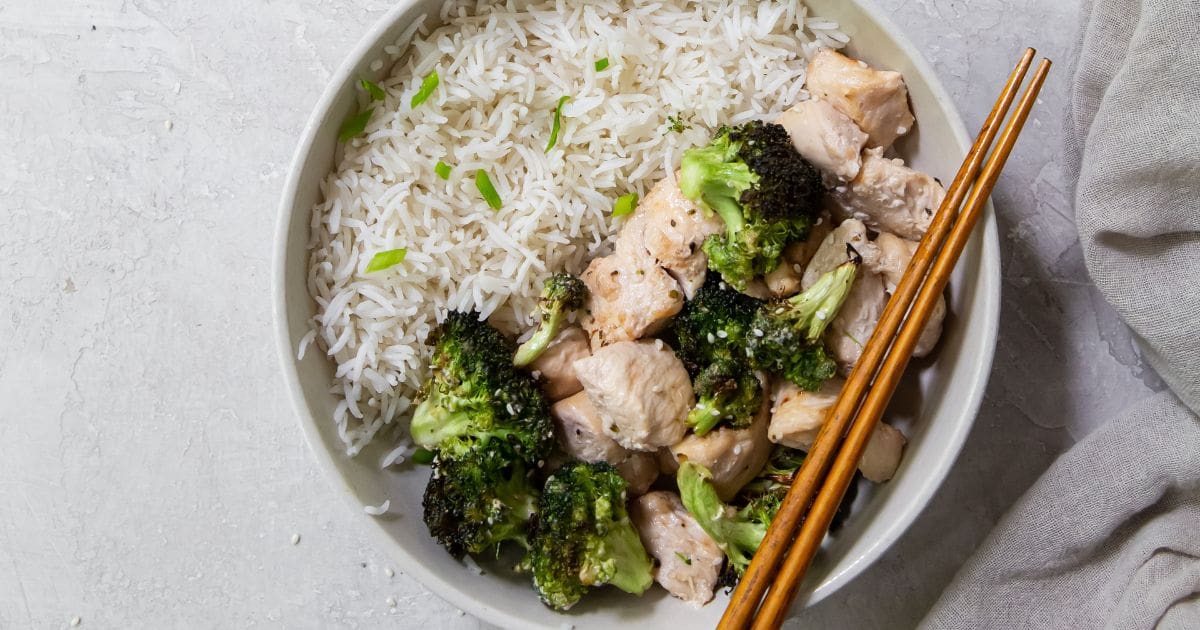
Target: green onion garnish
x,y
388,258
601,64
376,92
422,456
428,85
557,123
484,184
625,205
442,169
355,124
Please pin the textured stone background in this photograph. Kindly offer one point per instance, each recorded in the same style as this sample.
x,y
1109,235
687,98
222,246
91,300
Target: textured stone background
x,y
151,471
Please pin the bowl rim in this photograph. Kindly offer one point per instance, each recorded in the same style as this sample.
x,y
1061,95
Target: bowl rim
x,y
988,282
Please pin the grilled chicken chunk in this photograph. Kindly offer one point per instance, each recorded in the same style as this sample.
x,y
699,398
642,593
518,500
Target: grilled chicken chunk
x,y
832,250
849,331
876,100
787,279
580,432
675,229
629,295
892,254
557,363
641,391
798,415
890,197
826,137
734,456
689,561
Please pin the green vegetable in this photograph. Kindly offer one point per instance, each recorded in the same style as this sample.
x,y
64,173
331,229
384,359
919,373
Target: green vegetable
x,y
442,169
376,92
477,500
582,537
625,204
355,124
423,456
475,396
557,124
677,124
562,293
714,324
766,194
484,184
601,64
428,85
786,337
383,260
738,532
726,390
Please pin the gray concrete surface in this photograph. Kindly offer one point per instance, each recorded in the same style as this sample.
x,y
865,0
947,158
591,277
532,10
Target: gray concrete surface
x,y
151,472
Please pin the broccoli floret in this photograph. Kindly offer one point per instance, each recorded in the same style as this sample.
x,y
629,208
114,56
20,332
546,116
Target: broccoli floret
x,y
764,191
737,532
562,293
475,395
582,537
786,334
478,499
714,324
726,390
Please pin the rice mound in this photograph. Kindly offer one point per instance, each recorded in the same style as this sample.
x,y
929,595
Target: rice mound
x,y
502,69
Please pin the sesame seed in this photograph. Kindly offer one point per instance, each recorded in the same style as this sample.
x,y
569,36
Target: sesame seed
x,y
169,125
75,621
711,338
722,334
389,572
376,65
295,539
391,602
821,315
460,613
758,332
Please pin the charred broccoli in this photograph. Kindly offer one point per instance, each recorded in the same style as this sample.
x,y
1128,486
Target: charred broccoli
x,y
764,191
786,334
738,532
582,537
728,390
475,395
477,500
562,294
714,324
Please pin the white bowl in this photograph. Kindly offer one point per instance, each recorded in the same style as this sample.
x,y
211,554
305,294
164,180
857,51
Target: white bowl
x,y
936,406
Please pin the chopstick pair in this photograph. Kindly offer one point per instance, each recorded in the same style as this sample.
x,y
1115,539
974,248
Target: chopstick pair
x,y
784,555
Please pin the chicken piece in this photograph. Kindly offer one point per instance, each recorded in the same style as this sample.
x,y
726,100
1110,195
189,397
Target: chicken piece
x,y
675,230
667,464
689,561
556,365
876,100
580,432
798,416
849,331
734,456
801,252
891,258
825,137
786,280
641,391
832,251
629,295
890,197
639,470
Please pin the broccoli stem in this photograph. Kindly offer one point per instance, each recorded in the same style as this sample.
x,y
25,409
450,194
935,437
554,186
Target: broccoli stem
x,y
736,535
730,212
533,347
703,417
634,572
432,423
817,306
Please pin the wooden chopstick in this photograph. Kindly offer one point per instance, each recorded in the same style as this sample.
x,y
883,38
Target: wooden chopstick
x,y
757,579
779,598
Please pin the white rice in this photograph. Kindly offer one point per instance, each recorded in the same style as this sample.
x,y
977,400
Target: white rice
x,y
501,71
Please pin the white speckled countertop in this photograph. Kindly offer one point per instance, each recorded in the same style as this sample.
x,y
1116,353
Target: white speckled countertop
x,y
151,471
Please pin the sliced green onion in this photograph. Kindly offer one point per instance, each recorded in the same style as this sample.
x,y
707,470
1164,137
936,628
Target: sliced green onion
x,y
625,205
557,123
484,184
355,124
428,85
376,92
388,258
422,456
601,64
442,169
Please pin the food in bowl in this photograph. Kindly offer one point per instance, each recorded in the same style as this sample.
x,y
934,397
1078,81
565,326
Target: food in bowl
x,y
585,372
